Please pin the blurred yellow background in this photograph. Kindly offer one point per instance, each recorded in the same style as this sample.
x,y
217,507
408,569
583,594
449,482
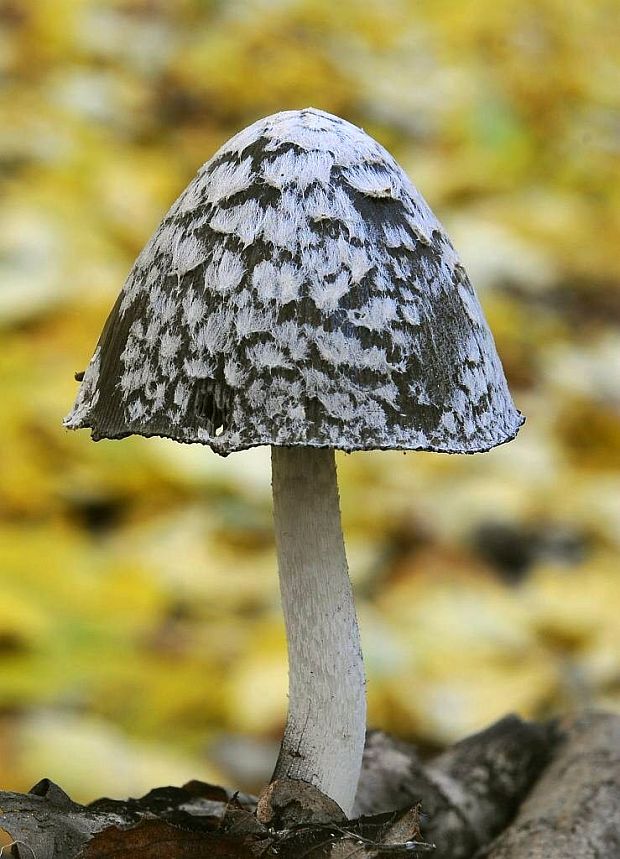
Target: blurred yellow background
x,y
141,639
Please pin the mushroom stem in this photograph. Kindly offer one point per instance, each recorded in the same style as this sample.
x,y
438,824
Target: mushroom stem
x,y
325,730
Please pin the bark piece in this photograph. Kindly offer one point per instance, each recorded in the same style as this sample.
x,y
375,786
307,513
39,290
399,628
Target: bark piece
x,y
46,823
468,793
483,780
392,775
574,809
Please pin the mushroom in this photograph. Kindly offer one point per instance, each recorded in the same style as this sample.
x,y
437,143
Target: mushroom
x,y
301,294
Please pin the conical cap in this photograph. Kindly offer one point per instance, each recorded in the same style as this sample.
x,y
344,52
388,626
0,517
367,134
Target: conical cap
x,y
299,292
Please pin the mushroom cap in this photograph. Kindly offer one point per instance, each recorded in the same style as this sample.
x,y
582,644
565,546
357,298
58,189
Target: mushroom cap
x,y
299,292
